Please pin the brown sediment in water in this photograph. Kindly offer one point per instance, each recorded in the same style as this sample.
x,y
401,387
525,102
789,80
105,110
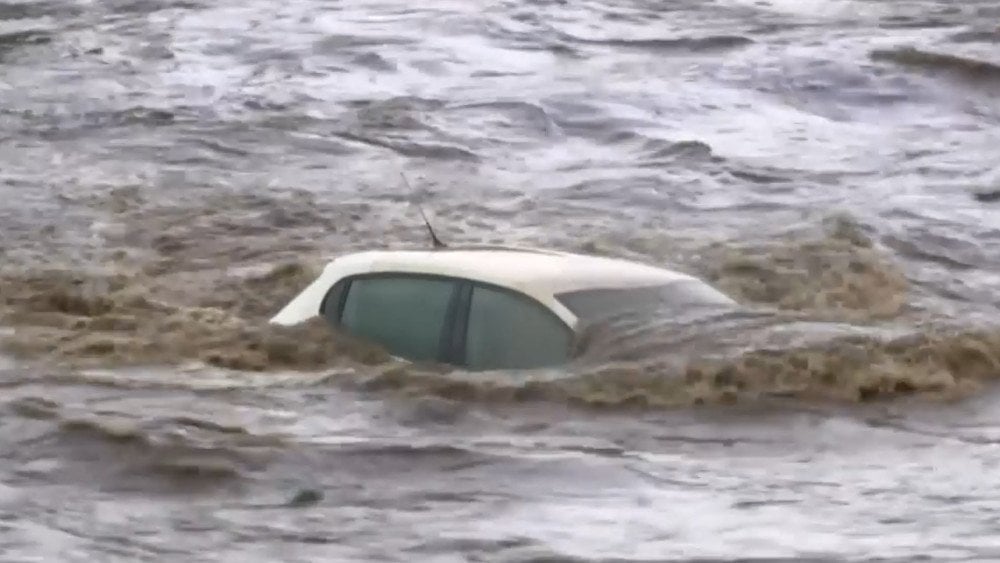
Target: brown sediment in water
x,y
838,274
831,271
145,308
937,367
117,320
965,68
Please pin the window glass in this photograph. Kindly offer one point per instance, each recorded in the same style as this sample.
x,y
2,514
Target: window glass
x,y
597,304
509,331
405,314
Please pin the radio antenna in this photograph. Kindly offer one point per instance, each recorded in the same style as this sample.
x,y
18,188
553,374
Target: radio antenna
x,y
434,239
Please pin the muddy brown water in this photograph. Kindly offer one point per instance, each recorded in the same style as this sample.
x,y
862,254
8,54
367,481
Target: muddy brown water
x,y
172,172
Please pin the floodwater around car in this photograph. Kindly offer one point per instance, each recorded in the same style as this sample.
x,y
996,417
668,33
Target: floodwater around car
x,y
173,172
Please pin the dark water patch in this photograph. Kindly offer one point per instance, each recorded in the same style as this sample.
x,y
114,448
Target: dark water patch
x,y
569,109
396,113
401,125
9,42
754,504
632,17
759,176
271,57
374,61
293,538
540,37
680,44
496,74
226,46
953,253
151,52
653,151
977,36
137,116
591,122
543,43
305,497
413,149
481,549
915,22
362,460
240,149
68,125
337,44
184,470
595,190
35,407
836,89
92,430
659,152
27,10
987,196
959,67
203,424
146,7
263,104
222,148
526,117
407,451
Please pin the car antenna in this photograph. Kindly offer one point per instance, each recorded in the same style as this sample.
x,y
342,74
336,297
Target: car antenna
x,y
434,239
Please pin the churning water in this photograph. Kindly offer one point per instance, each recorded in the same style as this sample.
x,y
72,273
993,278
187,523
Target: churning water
x,y
171,171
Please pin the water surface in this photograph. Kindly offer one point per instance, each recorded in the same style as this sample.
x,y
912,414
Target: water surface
x,y
173,171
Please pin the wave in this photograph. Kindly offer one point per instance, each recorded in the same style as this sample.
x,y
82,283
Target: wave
x,y
977,36
185,451
937,365
685,44
964,68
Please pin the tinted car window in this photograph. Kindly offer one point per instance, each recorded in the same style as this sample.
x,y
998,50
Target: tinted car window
x,y
510,331
405,314
596,304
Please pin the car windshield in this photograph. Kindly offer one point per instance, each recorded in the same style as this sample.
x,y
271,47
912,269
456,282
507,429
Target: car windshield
x,y
597,304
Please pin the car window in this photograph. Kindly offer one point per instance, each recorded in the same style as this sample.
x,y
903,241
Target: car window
x,y
598,304
406,314
510,331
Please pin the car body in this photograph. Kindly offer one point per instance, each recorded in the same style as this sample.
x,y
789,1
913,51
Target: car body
x,y
483,308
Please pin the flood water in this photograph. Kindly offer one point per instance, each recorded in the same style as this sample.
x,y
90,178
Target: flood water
x,y
172,171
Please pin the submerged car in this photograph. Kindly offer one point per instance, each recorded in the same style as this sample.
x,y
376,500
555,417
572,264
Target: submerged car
x,y
484,308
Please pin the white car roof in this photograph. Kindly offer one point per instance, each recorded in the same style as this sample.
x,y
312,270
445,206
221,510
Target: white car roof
x,y
541,274
557,272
